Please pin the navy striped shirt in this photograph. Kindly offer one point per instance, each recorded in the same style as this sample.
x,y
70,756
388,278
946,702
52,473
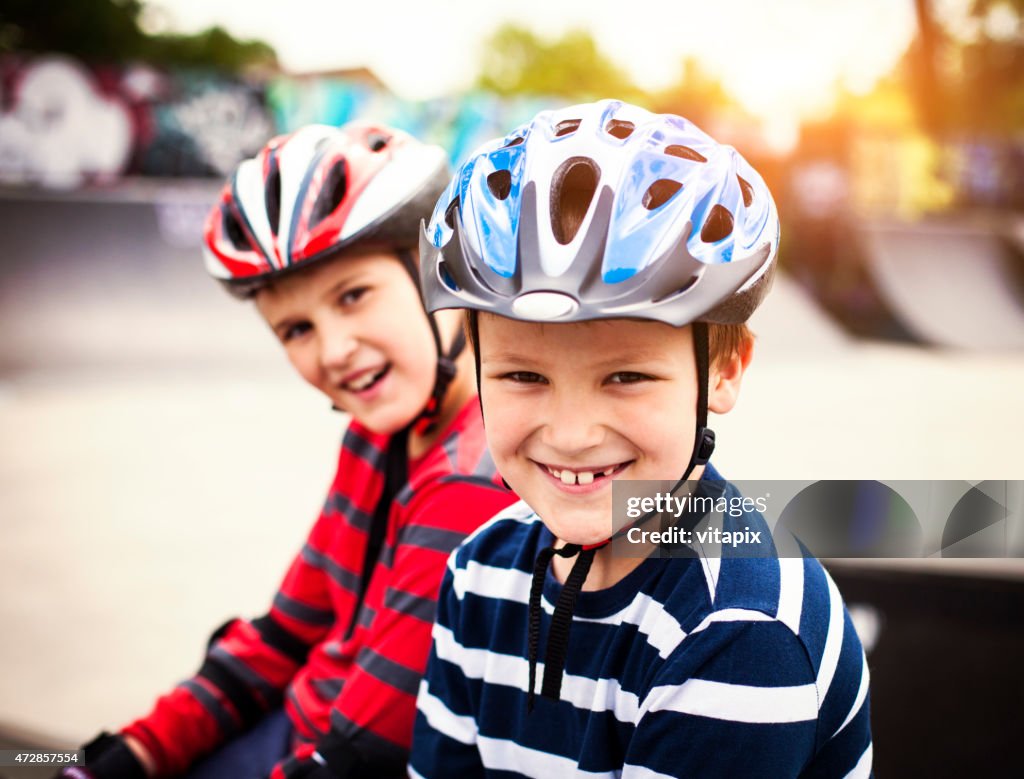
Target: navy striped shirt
x,y
710,666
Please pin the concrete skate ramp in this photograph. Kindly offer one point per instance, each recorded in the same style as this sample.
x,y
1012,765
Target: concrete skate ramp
x,y
950,284
790,322
115,280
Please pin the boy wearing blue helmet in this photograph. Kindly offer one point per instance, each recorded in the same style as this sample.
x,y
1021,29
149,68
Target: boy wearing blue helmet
x,y
608,258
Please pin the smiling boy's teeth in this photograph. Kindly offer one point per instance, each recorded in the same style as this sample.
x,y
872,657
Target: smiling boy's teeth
x,y
363,381
582,477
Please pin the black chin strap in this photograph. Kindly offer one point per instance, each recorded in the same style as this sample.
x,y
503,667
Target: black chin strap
x,y
445,372
474,329
443,376
704,440
561,620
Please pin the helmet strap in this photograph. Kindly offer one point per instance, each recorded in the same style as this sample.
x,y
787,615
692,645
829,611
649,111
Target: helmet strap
x,y
474,331
561,621
704,440
445,372
426,422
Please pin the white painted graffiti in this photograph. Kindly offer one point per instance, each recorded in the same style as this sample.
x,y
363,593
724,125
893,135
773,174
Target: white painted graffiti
x,y
226,123
60,130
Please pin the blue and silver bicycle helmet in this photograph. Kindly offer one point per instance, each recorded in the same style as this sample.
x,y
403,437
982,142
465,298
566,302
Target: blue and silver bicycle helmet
x,y
601,211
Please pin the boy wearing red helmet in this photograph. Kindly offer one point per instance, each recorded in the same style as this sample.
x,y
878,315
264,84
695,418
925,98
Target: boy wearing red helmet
x,y
319,229
608,258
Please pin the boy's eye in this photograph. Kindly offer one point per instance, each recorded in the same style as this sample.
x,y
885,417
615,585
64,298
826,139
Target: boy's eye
x,y
350,296
296,330
524,377
628,377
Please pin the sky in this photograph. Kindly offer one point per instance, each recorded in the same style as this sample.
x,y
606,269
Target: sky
x,y
781,58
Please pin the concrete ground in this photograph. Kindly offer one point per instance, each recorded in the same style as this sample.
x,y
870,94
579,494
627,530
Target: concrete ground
x,y
139,514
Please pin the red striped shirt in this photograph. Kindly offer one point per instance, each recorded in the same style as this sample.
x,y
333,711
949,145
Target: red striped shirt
x,y
362,689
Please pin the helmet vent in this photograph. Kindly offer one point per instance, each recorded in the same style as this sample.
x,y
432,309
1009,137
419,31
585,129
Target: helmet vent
x,y
514,142
568,127
272,196
660,192
331,194
500,184
718,225
449,214
619,128
446,277
233,230
479,278
377,141
678,290
685,152
572,188
748,191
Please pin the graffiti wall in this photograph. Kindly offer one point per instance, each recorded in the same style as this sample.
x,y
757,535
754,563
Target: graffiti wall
x,y
63,125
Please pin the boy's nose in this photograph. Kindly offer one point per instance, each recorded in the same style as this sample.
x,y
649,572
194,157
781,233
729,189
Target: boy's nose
x,y
571,426
337,346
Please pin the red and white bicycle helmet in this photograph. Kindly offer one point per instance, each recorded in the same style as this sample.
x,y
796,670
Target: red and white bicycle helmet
x,y
312,193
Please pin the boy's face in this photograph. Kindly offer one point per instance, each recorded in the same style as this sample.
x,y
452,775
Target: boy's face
x,y
570,407
355,329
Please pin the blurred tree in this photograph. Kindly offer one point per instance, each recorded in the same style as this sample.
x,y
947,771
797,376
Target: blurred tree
x,y
88,29
922,68
965,69
991,88
97,31
214,47
517,62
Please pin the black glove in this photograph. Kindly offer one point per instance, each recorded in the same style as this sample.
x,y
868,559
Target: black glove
x,y
106,757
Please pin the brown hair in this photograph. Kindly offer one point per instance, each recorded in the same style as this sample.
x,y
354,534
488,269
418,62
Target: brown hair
x,y
726,340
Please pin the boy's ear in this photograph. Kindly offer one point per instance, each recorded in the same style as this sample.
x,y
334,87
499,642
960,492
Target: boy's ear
x,y
725,377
